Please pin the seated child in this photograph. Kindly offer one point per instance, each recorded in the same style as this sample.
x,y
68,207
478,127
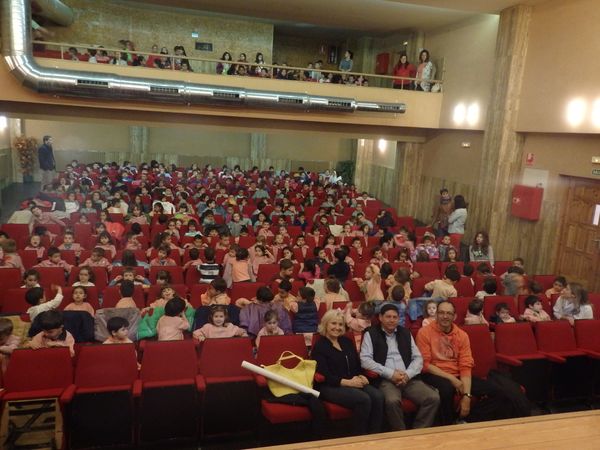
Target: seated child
x,y
127,289
97,259
216,293
132,243
118,329
306,316
31,278
105,242
85,277
79,301
129,274
283,296
35,244
502,314
431,309
371,285
428,246
444,288
475,313
534,310
261,256
166,294
53,333
37,299
209,269
9,256
359,320
489,288
397,297
194,260
171,326
557,287
162,257
8,342
332,293
218,325
271,327
286,271
54,260
70,244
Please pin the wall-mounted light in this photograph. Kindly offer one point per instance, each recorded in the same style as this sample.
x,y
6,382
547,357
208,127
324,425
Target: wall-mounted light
x,y
382,145
473,114
460,114
3,123
576,110
596,113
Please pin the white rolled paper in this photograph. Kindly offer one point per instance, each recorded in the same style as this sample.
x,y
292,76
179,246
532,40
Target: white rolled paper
x,y
279,379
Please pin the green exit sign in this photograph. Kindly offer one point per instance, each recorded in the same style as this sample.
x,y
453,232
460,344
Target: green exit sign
x,y
595,171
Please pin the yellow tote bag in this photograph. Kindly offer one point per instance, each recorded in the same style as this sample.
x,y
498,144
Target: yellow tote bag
x,y
303,374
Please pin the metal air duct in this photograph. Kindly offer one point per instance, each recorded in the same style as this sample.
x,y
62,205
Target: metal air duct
x,y
17,52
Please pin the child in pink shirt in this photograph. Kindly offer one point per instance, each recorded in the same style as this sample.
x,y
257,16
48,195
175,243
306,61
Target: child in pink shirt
x,y
70,244
171,326
218,326
35,243
162,258
54,260
216,293
53,333
261,256
534,310
431,313
97,259
475,313
79,301
360,320
240,269
371,285
8,342
105,242
9,256
271,327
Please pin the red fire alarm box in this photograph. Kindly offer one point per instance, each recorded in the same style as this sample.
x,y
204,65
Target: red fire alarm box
x,y
527,202
382,63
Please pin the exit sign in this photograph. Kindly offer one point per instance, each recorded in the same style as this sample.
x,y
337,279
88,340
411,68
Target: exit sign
x,y
595,171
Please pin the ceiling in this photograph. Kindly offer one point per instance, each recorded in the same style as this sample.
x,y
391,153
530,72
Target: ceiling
x,y
375,17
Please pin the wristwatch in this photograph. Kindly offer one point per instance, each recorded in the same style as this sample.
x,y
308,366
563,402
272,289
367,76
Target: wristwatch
x,y
468,395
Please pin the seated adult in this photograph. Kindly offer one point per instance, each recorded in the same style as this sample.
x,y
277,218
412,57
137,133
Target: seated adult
x,y
447,366
390,351
337,360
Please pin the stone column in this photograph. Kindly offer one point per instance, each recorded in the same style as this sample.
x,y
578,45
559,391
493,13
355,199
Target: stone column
x,y
138,144
409,166
502,147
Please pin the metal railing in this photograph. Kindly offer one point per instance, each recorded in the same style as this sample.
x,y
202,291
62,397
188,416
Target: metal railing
x,y
209,65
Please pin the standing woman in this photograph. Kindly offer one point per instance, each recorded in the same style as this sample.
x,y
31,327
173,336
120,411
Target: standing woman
x,y
224,68
260,62
425,72
339,363
406,70
458,217
347,63
480,249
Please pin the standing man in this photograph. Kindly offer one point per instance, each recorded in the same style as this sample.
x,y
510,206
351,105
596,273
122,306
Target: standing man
x,y
46,159
390,351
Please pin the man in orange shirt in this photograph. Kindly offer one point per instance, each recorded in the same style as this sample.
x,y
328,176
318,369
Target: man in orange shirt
x,y
447,364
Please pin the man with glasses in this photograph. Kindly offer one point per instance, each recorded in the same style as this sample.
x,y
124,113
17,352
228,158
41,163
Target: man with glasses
x,y
390,351
447,365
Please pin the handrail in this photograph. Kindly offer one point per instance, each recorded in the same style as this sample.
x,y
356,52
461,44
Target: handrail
x,y
64,45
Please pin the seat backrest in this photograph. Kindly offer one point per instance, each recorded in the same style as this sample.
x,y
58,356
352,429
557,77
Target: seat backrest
x,y
14,301
587,334
461,305
543,299
100,276
545,280
271,348
154,291
196,291
515,339
31,370
266,272
112,294
10,277
418,286
169,360
223,357
459,265
482,348
500,267
464,287
244,290
106,365
428,269
51,275
490,302
556,336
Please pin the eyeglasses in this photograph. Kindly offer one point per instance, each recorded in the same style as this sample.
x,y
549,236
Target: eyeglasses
x,y
445,313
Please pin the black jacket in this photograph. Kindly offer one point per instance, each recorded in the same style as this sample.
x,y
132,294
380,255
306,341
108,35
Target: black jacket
x,y
46,157
334,364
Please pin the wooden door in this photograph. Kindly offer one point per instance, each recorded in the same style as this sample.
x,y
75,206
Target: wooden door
x,y
579,248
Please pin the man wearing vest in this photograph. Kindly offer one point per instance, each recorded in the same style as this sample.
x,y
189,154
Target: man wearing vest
x,y
390,351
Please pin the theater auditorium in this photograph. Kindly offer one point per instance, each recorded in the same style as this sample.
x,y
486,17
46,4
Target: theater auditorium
x,y
299,224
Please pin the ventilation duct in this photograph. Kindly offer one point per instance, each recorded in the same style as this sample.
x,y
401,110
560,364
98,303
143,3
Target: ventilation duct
x,y
55,10
17,52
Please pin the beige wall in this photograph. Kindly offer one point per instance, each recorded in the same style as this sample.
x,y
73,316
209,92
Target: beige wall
x,y
105,23
464,56
298,51
190,141
562,64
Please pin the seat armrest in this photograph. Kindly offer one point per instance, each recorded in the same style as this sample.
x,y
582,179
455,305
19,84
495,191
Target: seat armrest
x,y
509,360
260,381
590,353
137,388
371,375
200,383
554,358
67,394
